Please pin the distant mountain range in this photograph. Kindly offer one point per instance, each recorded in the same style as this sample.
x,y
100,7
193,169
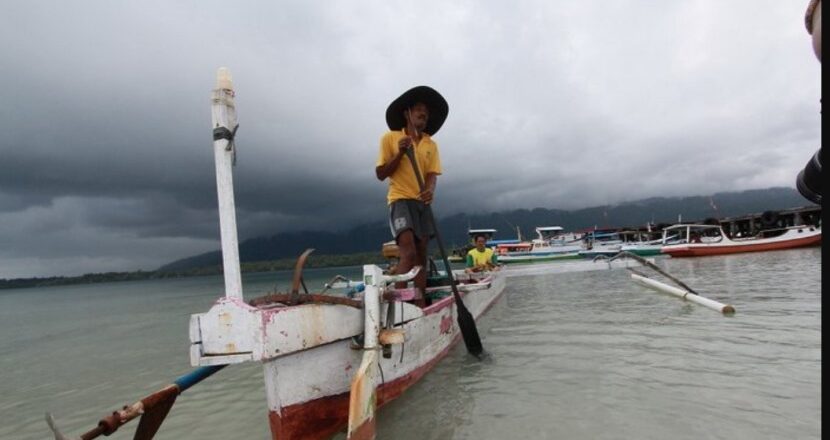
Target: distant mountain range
x,y
369,237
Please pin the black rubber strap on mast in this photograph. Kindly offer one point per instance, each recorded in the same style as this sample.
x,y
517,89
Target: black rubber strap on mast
x,y
224,133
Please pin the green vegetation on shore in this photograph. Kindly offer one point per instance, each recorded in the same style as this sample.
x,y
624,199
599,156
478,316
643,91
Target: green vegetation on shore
x,y
314,261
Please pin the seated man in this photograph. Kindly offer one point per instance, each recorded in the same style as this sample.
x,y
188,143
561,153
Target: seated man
x,y
481,258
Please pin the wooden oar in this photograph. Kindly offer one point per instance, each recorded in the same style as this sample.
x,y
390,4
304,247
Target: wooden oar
x,y
153,409
466,322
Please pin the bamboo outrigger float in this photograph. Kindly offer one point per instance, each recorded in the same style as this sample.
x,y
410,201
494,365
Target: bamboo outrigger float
x,y
653,284
683,292
322,359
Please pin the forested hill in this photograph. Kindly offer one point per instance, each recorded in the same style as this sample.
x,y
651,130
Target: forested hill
x,y
369,237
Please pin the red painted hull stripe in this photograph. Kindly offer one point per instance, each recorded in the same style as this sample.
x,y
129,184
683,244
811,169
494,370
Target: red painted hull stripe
x,y
696,251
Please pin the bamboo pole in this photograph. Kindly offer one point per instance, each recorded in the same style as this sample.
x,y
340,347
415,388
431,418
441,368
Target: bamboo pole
x,y
726,309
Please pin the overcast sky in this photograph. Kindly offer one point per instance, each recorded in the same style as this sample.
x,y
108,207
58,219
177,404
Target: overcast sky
x,y
106,159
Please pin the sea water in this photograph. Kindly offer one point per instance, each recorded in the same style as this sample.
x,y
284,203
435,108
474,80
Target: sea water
x,y
571,355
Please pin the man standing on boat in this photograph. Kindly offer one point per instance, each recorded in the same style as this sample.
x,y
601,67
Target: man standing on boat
x,y
413,118
481,258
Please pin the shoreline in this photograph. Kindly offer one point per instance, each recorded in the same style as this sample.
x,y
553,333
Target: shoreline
x,y
316,261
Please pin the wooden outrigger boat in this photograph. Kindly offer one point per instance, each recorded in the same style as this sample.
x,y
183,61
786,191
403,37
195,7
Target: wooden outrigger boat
x,y
634,241
700,240
643,243
329,361
601,242
551,244
522,253
313,349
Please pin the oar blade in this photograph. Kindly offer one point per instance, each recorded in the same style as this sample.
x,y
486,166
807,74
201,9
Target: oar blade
x,y
469,331
363,398
153,417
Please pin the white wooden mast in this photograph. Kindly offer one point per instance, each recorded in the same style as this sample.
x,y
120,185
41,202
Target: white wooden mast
x,y
224,127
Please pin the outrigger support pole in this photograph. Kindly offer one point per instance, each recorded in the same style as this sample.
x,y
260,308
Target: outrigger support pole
x,y
152,409
626,254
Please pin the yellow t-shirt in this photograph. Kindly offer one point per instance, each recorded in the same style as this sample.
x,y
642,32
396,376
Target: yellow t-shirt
x,y
402,182
480,259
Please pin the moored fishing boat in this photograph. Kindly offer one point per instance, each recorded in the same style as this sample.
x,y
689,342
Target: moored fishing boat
x,y
551,244
635,241
700,240
601,242
643,243
646,248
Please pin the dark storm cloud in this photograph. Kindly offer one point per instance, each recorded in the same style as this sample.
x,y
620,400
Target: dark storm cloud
x,y
106,161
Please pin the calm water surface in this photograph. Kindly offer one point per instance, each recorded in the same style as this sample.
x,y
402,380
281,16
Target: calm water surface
x,y
573,355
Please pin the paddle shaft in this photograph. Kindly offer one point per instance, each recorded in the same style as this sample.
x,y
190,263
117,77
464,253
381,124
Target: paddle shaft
x,y
466,322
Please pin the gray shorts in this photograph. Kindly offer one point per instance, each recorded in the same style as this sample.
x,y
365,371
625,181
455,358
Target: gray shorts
x,y
410,214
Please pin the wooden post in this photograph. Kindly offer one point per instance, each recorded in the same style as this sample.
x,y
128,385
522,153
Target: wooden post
x,y
224,127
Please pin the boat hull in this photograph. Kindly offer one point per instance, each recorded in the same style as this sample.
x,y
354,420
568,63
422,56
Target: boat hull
x,y
531,258
324,417
590,255
791,239
643,251
308,392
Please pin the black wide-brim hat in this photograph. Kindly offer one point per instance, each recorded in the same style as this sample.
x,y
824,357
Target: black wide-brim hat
x,y
437,105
